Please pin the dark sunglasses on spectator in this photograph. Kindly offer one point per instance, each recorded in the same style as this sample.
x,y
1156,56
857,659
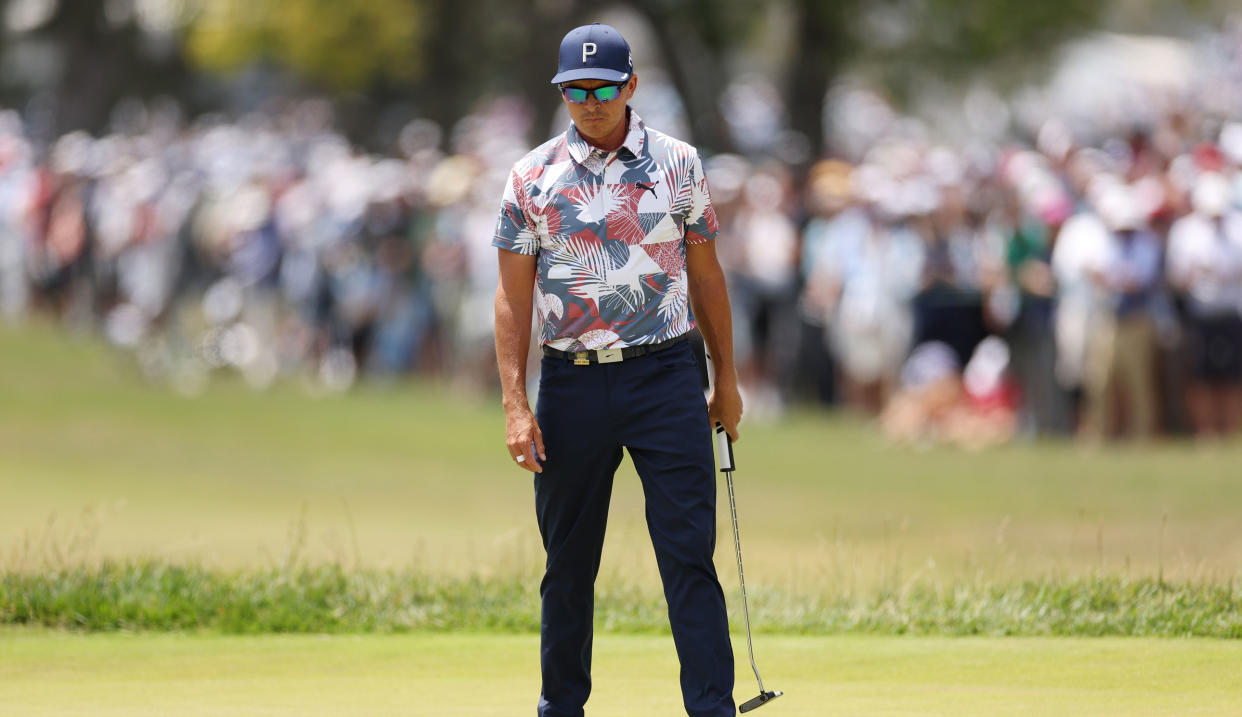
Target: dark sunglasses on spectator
x,y
604,93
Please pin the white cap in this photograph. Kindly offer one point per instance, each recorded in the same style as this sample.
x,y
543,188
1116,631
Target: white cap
x,y
1211,194
1118,208
1231,142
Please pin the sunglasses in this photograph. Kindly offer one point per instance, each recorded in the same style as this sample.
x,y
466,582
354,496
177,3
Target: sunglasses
x,y
605,93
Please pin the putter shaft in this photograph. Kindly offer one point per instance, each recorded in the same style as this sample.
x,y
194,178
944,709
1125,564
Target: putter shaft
x,y
741,576
725,454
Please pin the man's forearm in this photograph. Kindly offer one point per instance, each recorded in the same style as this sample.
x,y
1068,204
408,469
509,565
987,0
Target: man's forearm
x,y
709,299
512,344
514,301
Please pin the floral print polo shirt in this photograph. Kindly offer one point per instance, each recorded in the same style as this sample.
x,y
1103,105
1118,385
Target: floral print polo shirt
x,y
609,231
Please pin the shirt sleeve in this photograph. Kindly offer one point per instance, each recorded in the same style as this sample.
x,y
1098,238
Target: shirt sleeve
x,y
701,224
514,230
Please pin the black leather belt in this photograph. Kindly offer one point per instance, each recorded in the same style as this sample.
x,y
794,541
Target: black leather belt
x,y
583,358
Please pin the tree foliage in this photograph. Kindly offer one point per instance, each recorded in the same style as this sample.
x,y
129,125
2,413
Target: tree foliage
x,y
908,40
475,43
443,56
78,59
344,45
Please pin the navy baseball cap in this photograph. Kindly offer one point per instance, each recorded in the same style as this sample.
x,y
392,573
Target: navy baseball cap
x,y
594,52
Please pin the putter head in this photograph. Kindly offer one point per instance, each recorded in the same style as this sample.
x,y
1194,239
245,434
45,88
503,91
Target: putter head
x,y
761,700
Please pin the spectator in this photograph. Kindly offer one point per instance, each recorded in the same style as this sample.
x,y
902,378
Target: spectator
x,y
949,305
833,212
938,401
763,289
1205,267
1028,258
1081,243
1121,345
871,270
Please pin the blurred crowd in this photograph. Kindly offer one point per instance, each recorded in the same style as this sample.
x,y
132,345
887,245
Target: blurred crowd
x,y
1050,290
267,245
1072,284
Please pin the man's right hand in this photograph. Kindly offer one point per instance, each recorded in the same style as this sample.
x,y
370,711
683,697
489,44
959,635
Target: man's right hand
x,y
524,439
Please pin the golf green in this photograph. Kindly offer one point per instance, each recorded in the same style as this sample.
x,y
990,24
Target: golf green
x,y
56,673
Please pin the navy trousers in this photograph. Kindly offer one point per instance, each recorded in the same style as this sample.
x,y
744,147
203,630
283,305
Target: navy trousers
x,y
653,407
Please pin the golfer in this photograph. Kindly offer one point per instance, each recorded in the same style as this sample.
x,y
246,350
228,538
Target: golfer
x,y
607,230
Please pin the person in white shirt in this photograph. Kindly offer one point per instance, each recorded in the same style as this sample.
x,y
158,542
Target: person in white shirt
x,y
1205,267
1081,242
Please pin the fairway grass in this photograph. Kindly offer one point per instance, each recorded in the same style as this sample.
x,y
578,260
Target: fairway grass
x,y
96,465
45,674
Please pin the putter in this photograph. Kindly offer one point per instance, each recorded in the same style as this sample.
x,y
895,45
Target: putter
x,y
724,447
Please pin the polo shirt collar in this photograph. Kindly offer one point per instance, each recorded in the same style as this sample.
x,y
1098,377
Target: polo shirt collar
x,y
635,139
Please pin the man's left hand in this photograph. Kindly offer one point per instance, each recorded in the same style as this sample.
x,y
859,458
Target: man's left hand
x,y
724,406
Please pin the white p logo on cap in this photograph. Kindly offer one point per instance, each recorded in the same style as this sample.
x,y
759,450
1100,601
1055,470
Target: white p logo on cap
x,y
588,49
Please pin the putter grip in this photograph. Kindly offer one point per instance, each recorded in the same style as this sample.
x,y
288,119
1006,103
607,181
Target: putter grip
x,y
724,450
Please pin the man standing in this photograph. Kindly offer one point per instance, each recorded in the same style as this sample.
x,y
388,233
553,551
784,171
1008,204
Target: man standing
x,y
1205,267
607,231
1122,343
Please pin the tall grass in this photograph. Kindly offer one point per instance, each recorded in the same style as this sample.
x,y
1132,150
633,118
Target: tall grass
x,y
335,599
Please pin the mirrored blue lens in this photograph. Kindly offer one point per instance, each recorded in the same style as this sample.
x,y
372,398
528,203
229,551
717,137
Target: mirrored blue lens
x,y
578,96
607,94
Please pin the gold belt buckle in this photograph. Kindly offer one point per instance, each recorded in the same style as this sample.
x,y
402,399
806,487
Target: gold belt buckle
x,y
608,355
580,358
